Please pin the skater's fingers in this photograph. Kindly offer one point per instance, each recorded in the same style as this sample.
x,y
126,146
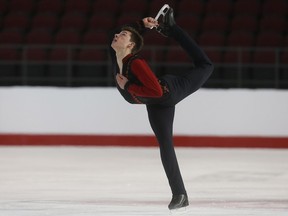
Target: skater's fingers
x,y
152,25
121,80
121,76
150,22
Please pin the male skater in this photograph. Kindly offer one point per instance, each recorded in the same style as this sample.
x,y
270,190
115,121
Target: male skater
x,y
139,85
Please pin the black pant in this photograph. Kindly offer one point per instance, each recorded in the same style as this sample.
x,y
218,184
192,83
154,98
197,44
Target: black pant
x,y
161,115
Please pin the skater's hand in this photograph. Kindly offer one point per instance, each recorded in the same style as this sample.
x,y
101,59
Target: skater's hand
x,y
121,80
150,22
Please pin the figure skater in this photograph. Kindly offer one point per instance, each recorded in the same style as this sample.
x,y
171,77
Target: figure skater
x,y
139,85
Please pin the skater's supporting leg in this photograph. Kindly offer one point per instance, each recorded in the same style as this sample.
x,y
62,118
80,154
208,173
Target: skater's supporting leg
x,y
161,120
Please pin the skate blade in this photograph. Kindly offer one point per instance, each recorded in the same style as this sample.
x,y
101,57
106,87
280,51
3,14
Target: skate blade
x,y
180,211
162,11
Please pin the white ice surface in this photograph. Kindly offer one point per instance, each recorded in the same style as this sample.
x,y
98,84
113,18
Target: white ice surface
x,y
96,181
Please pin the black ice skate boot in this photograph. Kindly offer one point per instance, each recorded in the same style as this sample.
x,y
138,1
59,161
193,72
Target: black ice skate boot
x,y
164,27
178,201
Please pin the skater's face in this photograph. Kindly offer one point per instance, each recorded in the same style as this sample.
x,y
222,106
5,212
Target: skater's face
x,y
122,41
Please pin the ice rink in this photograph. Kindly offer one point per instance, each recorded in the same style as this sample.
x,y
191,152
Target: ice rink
x,y
92,181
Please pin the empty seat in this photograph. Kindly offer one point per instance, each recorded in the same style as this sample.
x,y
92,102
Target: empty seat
x,y
48,6
263,40
249,7
154,38
212,39
278,7
127,18
11,37
67,36
191,23
106,6
94,55
64,37
46,21
39,43
215,23
3,6
21,6
132,6
19,21
195,7
39,36
269,39
244,22
264,56
284,58
177,56
101,22
9,54
36,67
283,76
240,38
61,54
222,7
73,21
153,54
273,23
93,73
209,38
95,37
215,55
237,56
76,6
36,54
286,41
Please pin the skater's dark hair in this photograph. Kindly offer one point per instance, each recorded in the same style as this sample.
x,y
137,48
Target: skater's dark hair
x,y
135,38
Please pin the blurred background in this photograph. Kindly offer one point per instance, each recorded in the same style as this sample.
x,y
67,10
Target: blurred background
x,y
64,42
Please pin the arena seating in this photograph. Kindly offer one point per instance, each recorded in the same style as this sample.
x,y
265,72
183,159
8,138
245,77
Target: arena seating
x,y
222,23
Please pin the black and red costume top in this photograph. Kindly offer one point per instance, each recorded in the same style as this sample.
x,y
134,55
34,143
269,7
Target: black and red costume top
x,y
143,86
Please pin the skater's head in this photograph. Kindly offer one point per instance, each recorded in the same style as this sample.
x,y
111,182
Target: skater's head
x,y
129,39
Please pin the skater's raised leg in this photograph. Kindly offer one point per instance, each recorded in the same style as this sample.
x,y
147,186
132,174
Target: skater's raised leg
x,y
187,82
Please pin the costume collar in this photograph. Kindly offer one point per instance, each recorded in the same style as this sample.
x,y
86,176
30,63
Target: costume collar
x,y
125,59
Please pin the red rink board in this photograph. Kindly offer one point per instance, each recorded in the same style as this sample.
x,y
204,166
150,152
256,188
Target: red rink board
x,y
141,140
